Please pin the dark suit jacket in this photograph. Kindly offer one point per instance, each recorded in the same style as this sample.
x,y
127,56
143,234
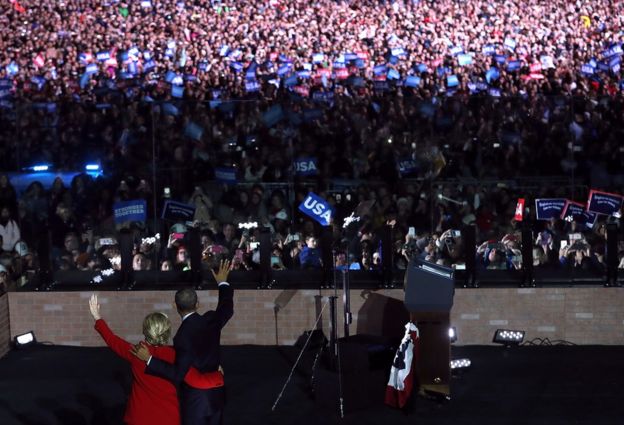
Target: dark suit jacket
x,y
197,344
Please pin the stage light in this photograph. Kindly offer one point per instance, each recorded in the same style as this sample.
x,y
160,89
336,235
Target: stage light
x,y
460,364
25,340
41,167
92,167
508,337
452,334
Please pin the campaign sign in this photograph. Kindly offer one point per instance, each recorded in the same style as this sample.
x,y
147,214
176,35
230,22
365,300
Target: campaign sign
x,y
456,50
519,214
393,74
252,86
317,208
273,115
407,166
225,174
575,211
604,202
464,60
489,49
102,56
306,166
510,43
92,68
130,211
587,69
193,131
177,211
412,81
547,208
492,74
452,81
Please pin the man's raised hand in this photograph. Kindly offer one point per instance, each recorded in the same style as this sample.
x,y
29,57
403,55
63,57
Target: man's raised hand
x,y
94,307
224,270
141,351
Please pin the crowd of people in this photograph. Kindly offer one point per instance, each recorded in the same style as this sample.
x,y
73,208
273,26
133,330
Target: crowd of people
x,y
285,97
76,228
69,48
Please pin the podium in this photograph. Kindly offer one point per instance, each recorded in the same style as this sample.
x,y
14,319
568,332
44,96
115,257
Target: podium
x,y
429,291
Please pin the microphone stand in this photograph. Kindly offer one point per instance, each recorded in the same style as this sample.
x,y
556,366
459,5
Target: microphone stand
x,y
346,280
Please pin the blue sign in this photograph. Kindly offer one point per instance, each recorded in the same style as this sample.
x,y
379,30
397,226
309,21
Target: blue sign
x,y
452,81
252,86
225,174
102,56
306,167
177,211
412,81
193,131
397,51
489,49
407,166
130,211
317,208
273,115
379,69
604,202
547,208
587,69
393,74
92,68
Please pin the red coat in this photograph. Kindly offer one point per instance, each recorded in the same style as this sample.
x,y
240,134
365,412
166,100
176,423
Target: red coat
x,y
153,400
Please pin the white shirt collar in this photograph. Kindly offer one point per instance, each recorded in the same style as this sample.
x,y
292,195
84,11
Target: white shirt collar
x,y
187,315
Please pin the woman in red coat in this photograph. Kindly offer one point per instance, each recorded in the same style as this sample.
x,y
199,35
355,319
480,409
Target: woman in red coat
x,y
153,400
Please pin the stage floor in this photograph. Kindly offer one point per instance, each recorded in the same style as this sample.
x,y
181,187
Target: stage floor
x,y
523,385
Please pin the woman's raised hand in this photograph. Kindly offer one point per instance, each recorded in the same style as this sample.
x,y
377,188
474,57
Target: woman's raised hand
x,y
94,307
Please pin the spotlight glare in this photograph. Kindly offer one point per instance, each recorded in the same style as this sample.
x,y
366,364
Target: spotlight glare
x,y
508,337
41,168
92,167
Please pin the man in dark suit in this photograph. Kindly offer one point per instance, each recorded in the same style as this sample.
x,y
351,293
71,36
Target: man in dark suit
x,y
197,344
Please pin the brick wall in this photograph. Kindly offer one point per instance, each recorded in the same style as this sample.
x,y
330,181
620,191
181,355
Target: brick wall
x,y
579,315
5,332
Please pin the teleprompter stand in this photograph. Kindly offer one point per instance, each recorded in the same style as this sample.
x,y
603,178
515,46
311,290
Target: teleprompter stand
x,y
429,291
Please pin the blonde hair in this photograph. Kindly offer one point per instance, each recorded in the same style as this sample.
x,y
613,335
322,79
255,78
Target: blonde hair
x,y
157,328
